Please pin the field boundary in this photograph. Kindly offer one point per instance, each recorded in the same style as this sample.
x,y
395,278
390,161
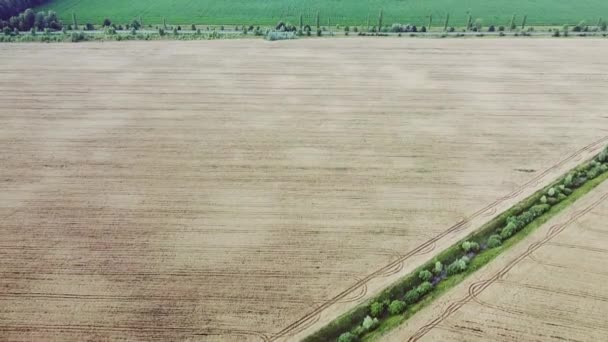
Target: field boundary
x,y
478,287
489,209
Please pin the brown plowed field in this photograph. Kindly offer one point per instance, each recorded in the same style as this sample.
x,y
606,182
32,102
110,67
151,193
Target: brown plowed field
x,y
248,190
551,287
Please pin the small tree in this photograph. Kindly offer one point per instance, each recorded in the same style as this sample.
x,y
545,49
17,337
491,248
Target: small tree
x,y
491,28
161,31
193,27
425,275
74,22
469,22
447,20
318,22
478,24
523,22
164,23
430,21
396,307
494,241
380,19
301,21
411,296
369,323
470,246
107,22
512,25
347,337
424,288
376,309
438,267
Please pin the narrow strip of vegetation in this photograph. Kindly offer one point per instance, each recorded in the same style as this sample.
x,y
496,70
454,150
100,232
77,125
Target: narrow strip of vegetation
x,y
409,295
29,26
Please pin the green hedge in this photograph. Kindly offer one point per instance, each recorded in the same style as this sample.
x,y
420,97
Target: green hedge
x,y
412,289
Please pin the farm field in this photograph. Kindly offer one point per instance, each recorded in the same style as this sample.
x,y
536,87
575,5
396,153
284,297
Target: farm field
x,y
343,12
246,190
551,287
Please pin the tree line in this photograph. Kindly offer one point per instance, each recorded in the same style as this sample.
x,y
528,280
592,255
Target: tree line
x,y
29,20
9,8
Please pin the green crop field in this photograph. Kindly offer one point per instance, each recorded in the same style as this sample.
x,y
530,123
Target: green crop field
x,y
344,12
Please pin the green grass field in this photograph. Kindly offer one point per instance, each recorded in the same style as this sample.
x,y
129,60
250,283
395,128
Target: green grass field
x,y
343,12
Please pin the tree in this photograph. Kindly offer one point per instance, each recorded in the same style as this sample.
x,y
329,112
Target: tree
x,y
376,309
469,22
396,307
301,21
369,323
74,21
347,337
164,23
193,27
424,288
107,22
438,267
494,241
445,25
425,275
29,19
478,24
380,18
318,22
368,22
135,24
412,296
491,28
523,22
512,25
430,21
470,246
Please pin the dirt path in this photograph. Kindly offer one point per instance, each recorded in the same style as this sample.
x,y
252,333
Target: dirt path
x,y
250,190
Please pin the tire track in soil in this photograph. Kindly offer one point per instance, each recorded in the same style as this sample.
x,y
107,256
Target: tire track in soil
x,y
296,325
478,287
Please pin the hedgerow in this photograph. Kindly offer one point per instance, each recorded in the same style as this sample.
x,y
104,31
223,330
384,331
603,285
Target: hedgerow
x,y
413,288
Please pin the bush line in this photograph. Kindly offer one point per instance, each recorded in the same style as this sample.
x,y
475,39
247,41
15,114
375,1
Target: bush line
x,y
407,296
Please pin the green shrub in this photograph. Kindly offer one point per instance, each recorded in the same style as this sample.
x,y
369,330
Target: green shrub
x,y
543,199
561,197
424,288
551,192
370,323
347,337
438,267
457,267
539,209
412,296
507,232
603,156
494,241
425,275
470,246
376,309
396,307
567,191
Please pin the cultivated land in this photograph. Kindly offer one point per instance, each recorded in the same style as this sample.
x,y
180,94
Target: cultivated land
x,y
247,190
551,287
351,12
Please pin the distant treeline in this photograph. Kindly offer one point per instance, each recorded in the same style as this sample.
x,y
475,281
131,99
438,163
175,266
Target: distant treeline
x,y
9,8
29,20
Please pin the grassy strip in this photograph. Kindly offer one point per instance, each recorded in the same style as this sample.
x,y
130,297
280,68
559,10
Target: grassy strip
x,y
351,319
481,260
